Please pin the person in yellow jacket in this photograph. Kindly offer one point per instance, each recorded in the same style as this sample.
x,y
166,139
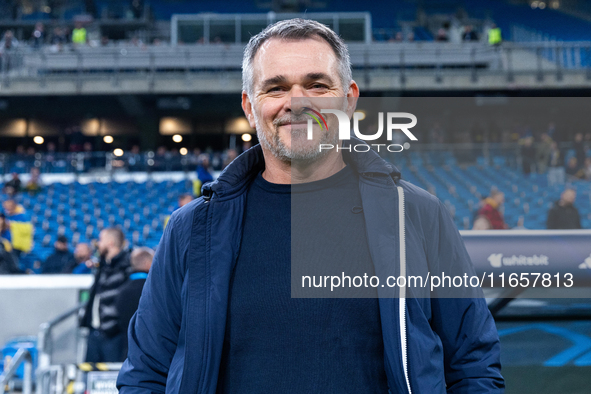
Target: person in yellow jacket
x,y
494,35
21,228
79,34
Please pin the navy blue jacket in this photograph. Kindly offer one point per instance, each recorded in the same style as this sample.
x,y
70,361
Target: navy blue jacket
x,y
431,346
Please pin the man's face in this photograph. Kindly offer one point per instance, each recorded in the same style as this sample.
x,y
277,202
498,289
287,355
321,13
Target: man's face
x,y
9,207
82,252
500,198
104,243
185,200
569,196
284,69
61,246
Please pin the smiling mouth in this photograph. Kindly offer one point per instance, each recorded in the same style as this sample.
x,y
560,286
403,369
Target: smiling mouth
x,y
294,123
294,126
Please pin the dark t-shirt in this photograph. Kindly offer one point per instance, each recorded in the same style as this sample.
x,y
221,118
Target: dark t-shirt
x,y
278,344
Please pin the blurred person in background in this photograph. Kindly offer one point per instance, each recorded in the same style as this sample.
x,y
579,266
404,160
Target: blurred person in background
x,y
130,293
38,36
160,159
556,174
184,199
101,317
441,35
203,171
59,38
13,211
543,152
33,185
76,140
469,34
13,186
59,259
564,215
4,228
82,262
20,227
8,258
580,153
491,210
481,223
528,154
9,42
587,168
216,161
229,157
8,262
134,159
79,36
398,37
573,170
495,38
8,45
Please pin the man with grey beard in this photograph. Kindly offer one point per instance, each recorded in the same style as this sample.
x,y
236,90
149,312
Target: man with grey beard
x,y
223,310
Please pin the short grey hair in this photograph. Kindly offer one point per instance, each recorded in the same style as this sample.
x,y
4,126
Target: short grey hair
x,y
141,257
296,29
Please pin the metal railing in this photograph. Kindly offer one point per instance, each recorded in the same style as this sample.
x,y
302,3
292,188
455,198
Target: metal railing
x,y
50,377
44,338
77,162
6,379
476,59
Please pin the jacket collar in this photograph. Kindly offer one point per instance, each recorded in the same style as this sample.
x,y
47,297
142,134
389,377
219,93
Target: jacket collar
x,y
238,174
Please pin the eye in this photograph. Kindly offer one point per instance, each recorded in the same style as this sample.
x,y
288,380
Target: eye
x,y
275,89
319,86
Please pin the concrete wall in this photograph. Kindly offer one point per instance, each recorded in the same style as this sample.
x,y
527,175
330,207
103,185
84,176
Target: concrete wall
x,y
27,301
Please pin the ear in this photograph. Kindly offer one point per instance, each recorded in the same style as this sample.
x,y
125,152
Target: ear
x,y
247,108
352,96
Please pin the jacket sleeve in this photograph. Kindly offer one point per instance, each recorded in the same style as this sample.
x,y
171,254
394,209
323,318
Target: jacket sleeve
x,y
154,329
465,326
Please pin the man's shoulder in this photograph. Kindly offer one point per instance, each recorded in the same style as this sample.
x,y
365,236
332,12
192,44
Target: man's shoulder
x,y
55,256
183,217
181,226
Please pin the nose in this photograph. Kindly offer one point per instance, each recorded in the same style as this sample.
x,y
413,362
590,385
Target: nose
x,y
297,99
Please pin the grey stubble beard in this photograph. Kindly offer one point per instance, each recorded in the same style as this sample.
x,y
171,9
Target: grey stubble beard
x,y
285,154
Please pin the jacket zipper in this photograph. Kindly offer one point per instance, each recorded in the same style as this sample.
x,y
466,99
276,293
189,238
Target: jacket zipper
x,y
402,299
201,385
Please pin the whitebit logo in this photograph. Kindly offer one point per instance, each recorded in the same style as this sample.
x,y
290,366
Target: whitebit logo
x,y
497,260
345,128
586,264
